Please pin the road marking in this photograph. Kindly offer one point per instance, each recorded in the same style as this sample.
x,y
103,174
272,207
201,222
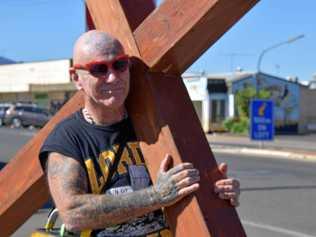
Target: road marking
x,y
275,229
250,152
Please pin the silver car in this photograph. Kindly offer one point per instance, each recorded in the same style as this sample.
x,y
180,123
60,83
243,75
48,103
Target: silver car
x,y
19,115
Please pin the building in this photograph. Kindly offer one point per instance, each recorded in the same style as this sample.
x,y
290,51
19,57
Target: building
x,y
214,98
209,94
48,84
45,82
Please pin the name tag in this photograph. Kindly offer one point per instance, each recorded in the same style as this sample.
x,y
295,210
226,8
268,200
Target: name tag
x,y
119,190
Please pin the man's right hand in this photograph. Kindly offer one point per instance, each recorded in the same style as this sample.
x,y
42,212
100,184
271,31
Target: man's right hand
x,y
175,183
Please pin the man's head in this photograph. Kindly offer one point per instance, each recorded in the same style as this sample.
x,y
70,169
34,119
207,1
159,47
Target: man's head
x,y
101,69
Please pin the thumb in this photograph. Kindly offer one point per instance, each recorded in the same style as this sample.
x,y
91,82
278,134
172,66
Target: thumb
x,y
164,165
223,169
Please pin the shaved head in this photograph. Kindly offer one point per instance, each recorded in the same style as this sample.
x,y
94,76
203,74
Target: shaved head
x,y
95,43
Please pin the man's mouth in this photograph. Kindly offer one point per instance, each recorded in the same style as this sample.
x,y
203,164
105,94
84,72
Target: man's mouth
x,y
110,91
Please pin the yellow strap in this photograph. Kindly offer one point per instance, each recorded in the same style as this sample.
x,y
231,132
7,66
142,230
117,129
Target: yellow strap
x,y
85,233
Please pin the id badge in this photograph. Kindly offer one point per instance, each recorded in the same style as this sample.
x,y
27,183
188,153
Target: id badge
x,y
139,177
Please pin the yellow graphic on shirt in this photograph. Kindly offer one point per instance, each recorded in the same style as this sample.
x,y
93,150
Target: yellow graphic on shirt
x,y
130,155
96,183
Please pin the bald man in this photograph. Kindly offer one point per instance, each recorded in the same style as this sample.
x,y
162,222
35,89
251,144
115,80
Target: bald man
x,y
96,172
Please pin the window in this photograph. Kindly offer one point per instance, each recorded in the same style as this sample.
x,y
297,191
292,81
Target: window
x,y
218,110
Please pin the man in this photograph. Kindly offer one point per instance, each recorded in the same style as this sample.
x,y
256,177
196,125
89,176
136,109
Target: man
x,y
96,172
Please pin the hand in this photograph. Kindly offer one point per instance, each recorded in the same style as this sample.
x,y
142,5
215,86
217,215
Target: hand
x,y
227,188
175,183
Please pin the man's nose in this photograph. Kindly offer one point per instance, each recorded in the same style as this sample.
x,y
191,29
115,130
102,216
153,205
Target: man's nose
x,y
111,76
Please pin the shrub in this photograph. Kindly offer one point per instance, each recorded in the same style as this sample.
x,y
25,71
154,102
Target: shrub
x,y
237,125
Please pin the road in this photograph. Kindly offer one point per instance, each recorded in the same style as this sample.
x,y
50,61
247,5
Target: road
x,y
277,195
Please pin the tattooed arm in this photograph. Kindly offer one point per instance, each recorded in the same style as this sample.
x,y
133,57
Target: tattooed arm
x,y
79,210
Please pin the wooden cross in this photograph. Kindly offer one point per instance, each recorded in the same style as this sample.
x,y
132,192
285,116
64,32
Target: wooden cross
x,y
163,43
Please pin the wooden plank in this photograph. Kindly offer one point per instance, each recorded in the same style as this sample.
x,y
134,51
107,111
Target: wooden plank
x,y
176,34
135,12
23,187
158,140
117,18
166,122
116,22
21,195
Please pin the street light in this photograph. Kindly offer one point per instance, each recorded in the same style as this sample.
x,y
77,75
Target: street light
x,y
289,41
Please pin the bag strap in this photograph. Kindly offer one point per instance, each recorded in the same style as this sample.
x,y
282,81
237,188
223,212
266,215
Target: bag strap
x,y
117,159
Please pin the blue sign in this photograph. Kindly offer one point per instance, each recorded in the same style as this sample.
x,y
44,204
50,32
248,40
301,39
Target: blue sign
x,y
261,120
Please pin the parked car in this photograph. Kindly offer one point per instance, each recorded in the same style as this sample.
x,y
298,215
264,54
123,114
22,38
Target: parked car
x,y
3,108
19,115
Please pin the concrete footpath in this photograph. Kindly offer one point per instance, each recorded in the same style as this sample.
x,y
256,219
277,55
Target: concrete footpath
x,y
301,147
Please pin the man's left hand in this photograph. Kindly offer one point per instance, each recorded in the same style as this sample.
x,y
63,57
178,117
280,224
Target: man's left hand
x,y
227,188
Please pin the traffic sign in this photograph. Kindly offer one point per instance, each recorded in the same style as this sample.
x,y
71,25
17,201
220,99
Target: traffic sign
x,y
261,120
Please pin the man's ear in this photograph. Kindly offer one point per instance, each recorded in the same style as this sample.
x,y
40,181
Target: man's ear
x,y
75,78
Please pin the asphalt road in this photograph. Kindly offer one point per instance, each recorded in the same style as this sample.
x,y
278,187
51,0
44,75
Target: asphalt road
x,y
277,195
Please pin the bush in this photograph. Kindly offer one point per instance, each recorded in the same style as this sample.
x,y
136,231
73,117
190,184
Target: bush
x,y
237,125
228,123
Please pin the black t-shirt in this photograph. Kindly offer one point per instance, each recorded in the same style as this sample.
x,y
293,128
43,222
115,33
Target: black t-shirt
x,y
106,151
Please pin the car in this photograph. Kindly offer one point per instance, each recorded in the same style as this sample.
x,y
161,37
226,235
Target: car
x,y
3,108
18,115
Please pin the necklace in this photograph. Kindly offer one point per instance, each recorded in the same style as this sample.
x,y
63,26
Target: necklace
x,y
87,116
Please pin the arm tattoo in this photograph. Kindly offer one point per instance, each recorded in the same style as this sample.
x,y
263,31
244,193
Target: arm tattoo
x,y
166,188
79,210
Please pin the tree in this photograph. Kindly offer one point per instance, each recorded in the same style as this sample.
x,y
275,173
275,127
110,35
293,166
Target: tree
x,y
243,97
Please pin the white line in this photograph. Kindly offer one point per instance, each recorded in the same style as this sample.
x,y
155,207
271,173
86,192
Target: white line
x,y
275,229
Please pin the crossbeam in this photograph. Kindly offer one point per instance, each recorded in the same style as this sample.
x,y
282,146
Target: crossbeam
x,y
153,114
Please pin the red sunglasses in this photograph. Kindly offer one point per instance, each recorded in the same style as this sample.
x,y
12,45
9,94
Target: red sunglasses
x,y
101,68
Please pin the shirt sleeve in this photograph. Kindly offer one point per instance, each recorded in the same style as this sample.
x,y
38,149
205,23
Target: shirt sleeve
x,y
61,140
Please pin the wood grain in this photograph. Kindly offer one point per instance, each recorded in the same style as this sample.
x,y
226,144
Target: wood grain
x,y
169,40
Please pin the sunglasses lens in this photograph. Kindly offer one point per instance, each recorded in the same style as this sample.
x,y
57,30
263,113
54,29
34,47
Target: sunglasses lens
x,y
120,65
99,69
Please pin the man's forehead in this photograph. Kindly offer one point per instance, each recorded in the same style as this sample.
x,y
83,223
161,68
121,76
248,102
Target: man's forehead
x,y
97,44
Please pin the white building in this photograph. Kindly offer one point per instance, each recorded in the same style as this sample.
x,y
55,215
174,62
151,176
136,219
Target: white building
x,y
39,82
209,94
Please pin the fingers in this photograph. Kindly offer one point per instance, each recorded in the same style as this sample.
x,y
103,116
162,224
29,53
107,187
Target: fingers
x,y
228,189
227,182
184,177
234,202
186,173
180,167
188,180
223,169
189,189
232,197
166,162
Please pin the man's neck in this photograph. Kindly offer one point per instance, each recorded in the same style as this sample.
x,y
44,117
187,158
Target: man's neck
x,y
101,115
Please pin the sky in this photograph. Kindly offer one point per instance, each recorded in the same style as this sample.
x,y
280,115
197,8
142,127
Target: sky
x,y
39,30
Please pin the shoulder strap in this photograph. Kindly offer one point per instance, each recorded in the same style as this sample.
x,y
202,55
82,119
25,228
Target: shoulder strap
x,y
117,159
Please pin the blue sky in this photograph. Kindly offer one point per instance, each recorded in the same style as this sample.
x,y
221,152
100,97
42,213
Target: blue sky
x,y
35,30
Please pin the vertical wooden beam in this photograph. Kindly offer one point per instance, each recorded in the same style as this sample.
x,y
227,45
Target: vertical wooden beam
x,y
167,123
158,133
